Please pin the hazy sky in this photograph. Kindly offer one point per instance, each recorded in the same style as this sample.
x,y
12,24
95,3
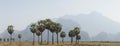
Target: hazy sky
x,y
20,13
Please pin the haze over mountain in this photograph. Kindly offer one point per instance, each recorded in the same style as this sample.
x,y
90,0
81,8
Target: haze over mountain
x,y
93,26
94,23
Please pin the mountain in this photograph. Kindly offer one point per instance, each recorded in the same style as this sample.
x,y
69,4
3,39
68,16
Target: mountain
x,y
94,23
103,36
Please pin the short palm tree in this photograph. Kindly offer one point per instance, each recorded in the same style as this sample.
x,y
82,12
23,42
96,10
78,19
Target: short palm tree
x,y
71,34
41,27
58,27
19,36
0,39
77,31
38,33
78,37
7,39
62,35
4,40
13,39
33,30
10,31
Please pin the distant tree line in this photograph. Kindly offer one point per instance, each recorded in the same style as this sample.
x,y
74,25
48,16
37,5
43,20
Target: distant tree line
x,y
42,25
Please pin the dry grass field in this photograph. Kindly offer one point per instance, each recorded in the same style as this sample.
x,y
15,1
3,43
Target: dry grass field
x,y
65,44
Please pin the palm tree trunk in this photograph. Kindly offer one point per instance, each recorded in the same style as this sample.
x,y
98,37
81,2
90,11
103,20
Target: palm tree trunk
x,y
71,40
38,40
19,41
11,39
33,39
48,38
52,38
41,38
57,38
76,40
62,40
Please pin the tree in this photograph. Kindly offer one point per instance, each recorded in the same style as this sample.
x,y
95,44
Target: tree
x,y
4,40
52,29
10,31
7,39
47,26
58,29
62,35
33,30
38,33
0,39
71,34
19,36
78,37
13,39
41,27
77,31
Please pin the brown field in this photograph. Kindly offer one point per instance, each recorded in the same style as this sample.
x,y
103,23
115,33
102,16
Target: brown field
x,y
60,44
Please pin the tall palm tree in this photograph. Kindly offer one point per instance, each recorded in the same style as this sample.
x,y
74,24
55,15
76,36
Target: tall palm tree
x,y
47,25
71,34
78,37
33,30
19,36
77,31
62,35
52,29
10,31
38,33
41,27
58,29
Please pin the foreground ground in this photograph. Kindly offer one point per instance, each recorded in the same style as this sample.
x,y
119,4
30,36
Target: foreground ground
x,y
65,44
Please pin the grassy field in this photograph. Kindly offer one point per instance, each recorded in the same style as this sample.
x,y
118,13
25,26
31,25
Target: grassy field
x,y
60,44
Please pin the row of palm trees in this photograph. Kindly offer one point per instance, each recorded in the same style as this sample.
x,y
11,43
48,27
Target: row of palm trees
x,y
47,24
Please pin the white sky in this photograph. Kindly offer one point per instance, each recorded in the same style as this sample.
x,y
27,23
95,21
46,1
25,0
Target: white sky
x,y
20,13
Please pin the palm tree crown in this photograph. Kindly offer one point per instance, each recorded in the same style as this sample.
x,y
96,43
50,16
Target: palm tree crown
x,y
33,28
38,33
77,30
19,35
62,34
72,33
78,37
10,29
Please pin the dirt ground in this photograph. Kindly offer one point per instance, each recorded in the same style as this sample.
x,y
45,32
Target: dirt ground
x,y
60,44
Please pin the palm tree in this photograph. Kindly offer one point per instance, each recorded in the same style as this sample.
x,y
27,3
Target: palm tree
x,y
71,34
0,39
10,31
7,39
19,36
38,33
13,39
62,35
58,29
4,40
33,30
47,26
77,31
52,29
41,27
78,37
